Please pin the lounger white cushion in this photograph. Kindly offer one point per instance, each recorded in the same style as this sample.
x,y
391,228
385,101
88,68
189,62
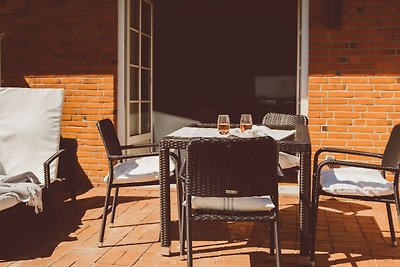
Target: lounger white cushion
x,y
353,181
138,170
30,123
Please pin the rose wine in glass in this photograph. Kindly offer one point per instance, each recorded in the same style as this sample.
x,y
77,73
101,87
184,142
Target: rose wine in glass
x,y
246,122
223,124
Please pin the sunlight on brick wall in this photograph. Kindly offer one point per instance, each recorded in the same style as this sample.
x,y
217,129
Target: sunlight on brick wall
x,y
354,81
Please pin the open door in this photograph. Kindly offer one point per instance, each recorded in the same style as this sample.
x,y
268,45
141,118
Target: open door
x,y
138,88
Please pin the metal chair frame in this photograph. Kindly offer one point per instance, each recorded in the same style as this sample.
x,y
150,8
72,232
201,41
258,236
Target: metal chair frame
x,y
390,162
115,155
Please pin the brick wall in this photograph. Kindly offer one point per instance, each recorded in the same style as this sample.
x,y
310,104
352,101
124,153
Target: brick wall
x,y
354,81
72,45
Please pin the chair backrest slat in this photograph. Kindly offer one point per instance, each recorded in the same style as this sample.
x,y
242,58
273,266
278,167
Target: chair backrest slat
x,y
109,137
284,119
232,167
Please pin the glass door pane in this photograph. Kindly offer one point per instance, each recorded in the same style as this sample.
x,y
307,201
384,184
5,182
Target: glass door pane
x,y
134,84
134,47
134,119
134,14
146,18
146,48
139,102
145,117
145,85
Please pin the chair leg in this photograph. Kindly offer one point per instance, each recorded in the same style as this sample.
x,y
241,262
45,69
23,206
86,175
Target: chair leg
x,y
397,203
103,221
314,215
189,234
181,219
271,238
114,206
391,227
182,232
277,243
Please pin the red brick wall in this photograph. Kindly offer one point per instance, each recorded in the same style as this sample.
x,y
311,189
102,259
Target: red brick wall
x,y
354,81
71,45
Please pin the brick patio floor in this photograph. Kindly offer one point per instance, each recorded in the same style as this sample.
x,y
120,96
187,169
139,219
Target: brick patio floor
x,y
356,235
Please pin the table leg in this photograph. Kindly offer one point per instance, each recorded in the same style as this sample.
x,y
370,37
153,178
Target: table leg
x,y
305,205
165,206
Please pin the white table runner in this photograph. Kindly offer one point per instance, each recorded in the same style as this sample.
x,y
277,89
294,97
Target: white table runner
x,y
285,160
256,131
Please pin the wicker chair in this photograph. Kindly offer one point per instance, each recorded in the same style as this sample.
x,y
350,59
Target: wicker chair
x,y
285,120
280,119
129,169
231,170
361,181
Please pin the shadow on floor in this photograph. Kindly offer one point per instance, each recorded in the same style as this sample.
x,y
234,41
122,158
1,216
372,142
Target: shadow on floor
x,y
341,231
26,235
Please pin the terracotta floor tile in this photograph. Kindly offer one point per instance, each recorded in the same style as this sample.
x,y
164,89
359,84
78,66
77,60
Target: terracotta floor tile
x,y
350,233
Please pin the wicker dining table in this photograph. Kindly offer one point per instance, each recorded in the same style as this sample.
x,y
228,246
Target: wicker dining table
x,y
298,143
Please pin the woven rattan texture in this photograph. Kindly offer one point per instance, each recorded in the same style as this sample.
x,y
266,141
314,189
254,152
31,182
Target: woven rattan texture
x,y
284,119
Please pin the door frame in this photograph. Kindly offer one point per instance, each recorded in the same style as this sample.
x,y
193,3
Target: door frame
x,y
123,80
302,64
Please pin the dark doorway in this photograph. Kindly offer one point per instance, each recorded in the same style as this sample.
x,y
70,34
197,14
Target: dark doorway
x,y
225,57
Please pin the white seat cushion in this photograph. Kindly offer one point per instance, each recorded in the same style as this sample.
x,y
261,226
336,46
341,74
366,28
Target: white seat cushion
x,y
256,203
287,161
352,181
138,170
30,123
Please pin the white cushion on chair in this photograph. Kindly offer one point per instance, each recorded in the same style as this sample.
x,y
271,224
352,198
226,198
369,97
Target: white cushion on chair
x,y
256,203
352,181
138,170
287,161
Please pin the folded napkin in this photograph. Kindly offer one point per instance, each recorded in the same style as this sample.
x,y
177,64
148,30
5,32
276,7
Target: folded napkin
x,y
259,131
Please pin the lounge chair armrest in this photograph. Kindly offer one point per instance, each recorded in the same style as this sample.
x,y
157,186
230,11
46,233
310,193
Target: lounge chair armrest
x,y
139,145
46,166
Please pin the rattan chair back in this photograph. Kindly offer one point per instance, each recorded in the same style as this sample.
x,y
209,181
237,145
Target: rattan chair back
x,y
391,155
232,167
109,137
281,119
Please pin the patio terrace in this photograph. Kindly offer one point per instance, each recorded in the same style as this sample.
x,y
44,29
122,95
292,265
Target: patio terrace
x,y
350,234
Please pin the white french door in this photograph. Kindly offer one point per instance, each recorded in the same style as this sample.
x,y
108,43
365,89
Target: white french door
x,y
139,71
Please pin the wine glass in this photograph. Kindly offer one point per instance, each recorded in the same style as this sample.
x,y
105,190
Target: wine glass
x,y
246,122
223,124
